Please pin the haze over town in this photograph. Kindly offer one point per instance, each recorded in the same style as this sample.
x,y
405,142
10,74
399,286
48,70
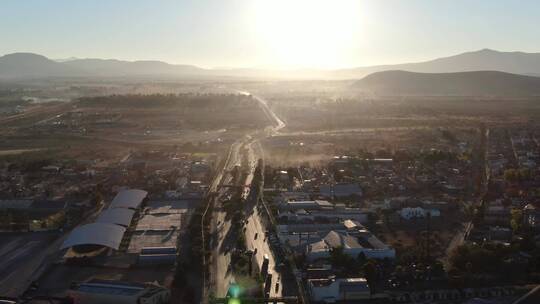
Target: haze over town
x,y
299,151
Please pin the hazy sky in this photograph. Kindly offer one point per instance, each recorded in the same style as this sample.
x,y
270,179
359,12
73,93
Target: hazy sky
x,y
273,33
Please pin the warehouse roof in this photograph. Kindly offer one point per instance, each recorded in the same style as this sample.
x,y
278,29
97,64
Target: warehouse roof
x,y
131,198
108,235
118,216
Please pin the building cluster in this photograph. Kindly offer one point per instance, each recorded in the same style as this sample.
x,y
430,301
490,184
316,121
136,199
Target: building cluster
x,y
322,210
512,203
50,194
120,231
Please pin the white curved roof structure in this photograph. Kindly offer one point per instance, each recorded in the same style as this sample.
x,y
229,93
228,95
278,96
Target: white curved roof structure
x,y
131,198
108,235
118,216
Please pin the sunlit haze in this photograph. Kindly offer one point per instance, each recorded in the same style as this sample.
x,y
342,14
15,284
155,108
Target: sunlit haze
x,y
259,33
310,33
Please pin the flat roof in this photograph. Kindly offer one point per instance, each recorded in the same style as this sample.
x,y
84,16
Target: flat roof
x,y
160,225
145,239
160,221
131,198
169,206
108,235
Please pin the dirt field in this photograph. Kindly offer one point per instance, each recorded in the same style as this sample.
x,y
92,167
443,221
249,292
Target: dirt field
x,y
109,126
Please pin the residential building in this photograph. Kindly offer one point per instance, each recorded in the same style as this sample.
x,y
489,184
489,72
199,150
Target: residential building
x,y
306,205
343,289
418,212
353,243
341,190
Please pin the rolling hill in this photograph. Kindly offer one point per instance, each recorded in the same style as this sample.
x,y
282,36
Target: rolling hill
x,y
28,65
482,60
478,83
115,68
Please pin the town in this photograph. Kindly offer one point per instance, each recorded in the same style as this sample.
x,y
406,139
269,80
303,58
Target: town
x,y
269,152
372,215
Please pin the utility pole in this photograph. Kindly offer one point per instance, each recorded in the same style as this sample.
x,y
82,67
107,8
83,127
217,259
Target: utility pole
x,y
428,236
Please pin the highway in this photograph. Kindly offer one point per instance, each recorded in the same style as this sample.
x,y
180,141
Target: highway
x,y
221,275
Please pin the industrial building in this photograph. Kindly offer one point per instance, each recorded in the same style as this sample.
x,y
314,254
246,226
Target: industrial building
x,y
111,224
101,234
155,237
118,216
131,198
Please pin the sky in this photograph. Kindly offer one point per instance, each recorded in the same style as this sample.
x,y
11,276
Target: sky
x,y
268,33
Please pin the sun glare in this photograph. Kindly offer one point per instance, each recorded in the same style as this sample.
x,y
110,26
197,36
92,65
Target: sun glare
x,y
314,33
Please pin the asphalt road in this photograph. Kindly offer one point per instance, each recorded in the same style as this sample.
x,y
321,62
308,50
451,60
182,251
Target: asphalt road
x,y
25,256
220,274
21,254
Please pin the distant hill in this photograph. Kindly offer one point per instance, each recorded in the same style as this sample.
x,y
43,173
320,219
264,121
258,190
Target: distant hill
x,y
27,65
113,67
478,83
483,60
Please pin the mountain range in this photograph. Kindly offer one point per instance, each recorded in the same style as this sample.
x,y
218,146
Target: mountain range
x,y
482,60
29,65
476,83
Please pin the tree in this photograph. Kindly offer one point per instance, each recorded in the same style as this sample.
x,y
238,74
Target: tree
x,y
370,271
516,219
474,258
361,259
347,264
338,258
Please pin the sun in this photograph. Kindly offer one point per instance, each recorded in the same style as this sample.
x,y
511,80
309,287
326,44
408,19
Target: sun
x,y
308,33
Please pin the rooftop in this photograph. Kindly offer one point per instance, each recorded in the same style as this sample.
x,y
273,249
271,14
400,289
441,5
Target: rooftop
x,y
110,287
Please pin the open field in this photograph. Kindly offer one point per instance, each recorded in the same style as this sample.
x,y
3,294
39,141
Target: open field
x,y
194,122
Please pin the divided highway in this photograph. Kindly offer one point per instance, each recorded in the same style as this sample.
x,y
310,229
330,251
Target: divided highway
x,y
221,276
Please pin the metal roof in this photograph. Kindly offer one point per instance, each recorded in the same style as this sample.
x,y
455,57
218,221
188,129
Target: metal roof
x,y
118,216
108,235
131,198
